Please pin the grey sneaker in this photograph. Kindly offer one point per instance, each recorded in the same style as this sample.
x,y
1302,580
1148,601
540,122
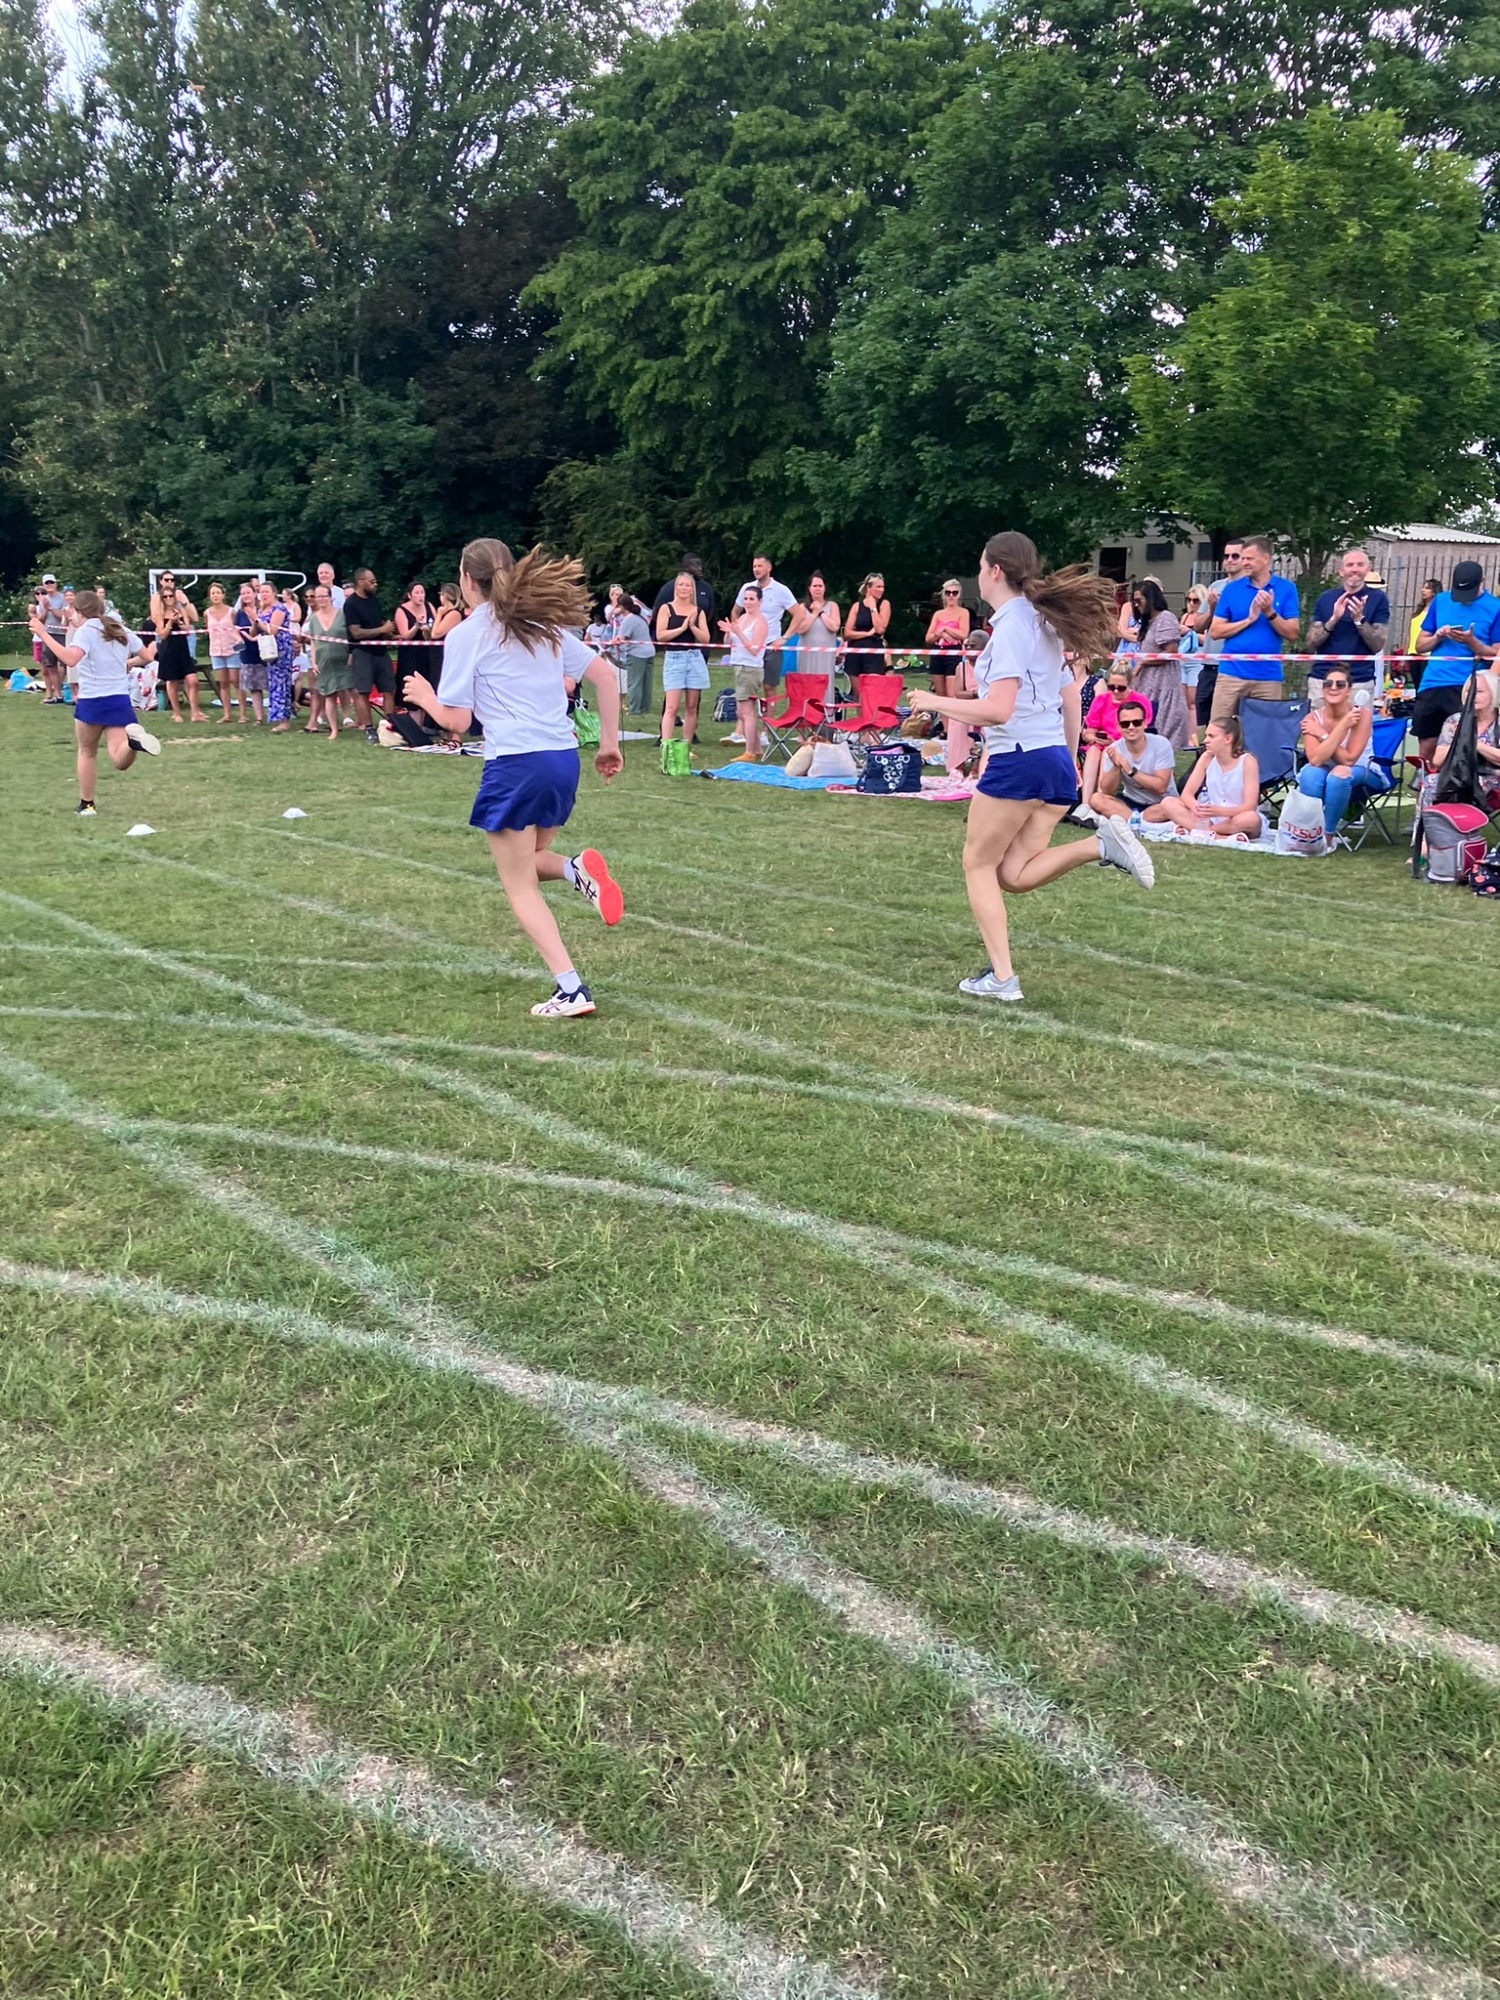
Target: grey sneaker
x,y
985,986
1119,848
142,738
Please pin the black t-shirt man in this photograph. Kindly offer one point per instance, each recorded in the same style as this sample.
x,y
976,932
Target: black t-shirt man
x,y
370,664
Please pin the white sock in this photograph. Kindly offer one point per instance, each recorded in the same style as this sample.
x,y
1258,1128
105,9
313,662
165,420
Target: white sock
x,y
570,871
568,982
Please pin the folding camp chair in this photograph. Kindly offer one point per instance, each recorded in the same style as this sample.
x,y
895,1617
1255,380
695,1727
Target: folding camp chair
x,y
1387,734
879,696
806,709
1273,736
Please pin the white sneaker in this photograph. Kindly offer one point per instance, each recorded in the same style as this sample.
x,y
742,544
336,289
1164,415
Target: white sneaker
x,y
985,986
1119,848
735,738
593,881
142,738
1085,816
564,1006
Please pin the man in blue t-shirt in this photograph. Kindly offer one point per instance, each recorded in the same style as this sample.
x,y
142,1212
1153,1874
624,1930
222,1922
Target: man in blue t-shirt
x,y
1351,625
1255,615
1458,636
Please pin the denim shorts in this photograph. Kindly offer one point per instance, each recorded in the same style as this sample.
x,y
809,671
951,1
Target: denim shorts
x,y
684,670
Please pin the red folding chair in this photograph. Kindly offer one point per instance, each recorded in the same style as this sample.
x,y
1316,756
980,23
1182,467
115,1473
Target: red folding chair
x,y
805,710
879,695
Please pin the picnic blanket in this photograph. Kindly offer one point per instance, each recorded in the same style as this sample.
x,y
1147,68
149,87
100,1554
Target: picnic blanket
x,y
769,774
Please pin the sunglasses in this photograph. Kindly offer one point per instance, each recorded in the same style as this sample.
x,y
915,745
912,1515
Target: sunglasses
x,y
1117,687
950,593
1132,721
1334,687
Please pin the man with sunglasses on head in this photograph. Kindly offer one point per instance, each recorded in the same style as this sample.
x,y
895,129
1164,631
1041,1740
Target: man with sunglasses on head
x,y
1352,625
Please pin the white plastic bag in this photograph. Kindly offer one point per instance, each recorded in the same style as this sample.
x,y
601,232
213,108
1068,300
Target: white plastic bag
x,y
1299,830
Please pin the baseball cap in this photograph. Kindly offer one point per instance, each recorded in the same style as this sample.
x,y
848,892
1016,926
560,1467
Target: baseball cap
x,y
1468,581
49,578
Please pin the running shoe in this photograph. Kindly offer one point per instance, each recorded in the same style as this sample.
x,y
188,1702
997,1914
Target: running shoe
x,y
1119,848
985,986
1081,815
143,740
592,879
563,1006
84,810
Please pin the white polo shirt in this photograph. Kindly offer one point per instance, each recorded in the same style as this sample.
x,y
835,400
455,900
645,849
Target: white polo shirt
x,y
1023,647
517,697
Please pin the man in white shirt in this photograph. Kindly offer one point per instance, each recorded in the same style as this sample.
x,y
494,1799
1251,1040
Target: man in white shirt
x,y
325,580
776,601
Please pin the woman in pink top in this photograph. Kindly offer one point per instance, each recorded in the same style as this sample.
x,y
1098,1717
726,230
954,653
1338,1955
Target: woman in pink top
x,y
1101,726
224,652
947,630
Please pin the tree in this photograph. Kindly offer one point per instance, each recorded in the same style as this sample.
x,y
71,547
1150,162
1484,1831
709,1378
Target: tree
x,y
726,176
1342,376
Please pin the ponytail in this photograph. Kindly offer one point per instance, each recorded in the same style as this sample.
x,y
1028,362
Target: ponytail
x,y
533,599
91,604
1079,606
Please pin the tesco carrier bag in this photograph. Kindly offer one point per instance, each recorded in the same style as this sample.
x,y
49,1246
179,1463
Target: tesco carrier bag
x,y
1299,830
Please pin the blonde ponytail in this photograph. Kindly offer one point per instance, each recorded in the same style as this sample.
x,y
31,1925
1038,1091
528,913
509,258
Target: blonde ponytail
x,y
1079,606
533,599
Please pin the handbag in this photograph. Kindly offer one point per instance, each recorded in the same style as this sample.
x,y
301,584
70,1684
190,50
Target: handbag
x,y
891,767
268,649
676,759
585,725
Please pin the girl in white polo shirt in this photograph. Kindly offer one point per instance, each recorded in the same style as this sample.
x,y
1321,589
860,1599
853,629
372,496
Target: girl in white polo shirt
x,y
510,665
98,653
1029,706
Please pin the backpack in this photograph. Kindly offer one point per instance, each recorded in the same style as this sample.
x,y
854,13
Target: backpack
x,y
676,759
1484,876
1454,839
891,767
725,708
1299,829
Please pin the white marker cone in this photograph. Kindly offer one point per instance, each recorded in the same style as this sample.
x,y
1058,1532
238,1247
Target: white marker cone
x,y
139,830
294,812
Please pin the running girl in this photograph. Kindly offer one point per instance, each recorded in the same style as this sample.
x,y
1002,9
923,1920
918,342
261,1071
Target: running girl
x,y
506,665
101,651
1029,706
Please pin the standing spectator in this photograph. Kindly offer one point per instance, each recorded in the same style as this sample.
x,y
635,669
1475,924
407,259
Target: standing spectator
x,y
1135,773
1458,629
632,650
1430,589
947,630
274,621
1336,744
1195,616
776,601
865,628
223,652
1208,674
365,621
749,634
328,656
1255,615
692,566
682,628
1160,681
254,673
413,622
174,617
815,621
449,612
52,609
1352,624
326,582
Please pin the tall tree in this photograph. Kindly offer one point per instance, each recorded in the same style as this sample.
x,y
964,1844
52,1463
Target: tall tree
x,y
1342,376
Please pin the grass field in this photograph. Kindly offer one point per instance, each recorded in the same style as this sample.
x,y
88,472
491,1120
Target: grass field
x,y
795,1486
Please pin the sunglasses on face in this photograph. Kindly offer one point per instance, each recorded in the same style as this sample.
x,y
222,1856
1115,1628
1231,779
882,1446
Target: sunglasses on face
x,y
1116,687
1334,687
1132,721
950,593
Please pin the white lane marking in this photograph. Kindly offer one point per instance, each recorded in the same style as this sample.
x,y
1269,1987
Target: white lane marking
x,y
489,1835
1291,1074
1144,1371
1001,1264
1231,1577
1151,1154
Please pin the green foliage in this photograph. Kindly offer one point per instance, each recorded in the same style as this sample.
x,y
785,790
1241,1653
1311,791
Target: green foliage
x,y
1341,377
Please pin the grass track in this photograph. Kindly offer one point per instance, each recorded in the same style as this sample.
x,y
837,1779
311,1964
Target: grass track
x,y
440,1575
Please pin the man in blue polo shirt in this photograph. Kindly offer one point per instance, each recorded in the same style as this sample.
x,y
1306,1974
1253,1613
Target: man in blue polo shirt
x,y
1256,614
1458,635
1351,625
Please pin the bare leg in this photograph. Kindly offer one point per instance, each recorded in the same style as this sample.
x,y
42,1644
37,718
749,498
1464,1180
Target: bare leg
x,y
88,734
691,698
121,749
174,698
747,713
52,679
992,825
1246,821
1093,758
669,713
517,865
258,705
226,704
195,713
1029,860
1106,801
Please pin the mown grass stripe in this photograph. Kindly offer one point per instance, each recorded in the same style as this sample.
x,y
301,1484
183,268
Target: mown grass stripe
x,y
532,1855
1143,1371
1192,1305
1227,1576
1290,1074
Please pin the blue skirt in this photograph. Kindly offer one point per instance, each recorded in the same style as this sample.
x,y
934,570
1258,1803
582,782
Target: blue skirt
x,y
535,788
105,711
1046,777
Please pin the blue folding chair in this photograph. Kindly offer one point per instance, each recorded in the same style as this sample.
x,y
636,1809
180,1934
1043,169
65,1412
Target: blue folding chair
x,y
1388,769
1273,736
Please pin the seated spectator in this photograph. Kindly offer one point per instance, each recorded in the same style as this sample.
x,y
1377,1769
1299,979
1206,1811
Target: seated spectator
x,y
1487,740
1101,724
1336,744
1137,772
1221,800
